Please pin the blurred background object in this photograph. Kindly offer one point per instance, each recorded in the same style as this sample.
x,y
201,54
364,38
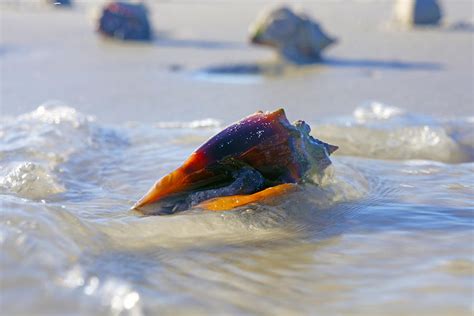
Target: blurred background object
x,y
296,37
125,21
418,12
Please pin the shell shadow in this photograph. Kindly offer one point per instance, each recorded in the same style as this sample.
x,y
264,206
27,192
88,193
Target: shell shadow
x,y
461,26
380,64
255,72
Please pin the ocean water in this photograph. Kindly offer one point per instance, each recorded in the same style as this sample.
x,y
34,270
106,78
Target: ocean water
x,y
391,233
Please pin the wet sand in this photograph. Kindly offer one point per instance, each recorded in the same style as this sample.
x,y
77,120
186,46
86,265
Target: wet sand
x,y
54,54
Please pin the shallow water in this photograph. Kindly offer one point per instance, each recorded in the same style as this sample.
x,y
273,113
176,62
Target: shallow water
x,y
391,233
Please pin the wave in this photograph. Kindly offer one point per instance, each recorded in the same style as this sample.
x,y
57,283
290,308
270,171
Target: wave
x,y
36,147
55,148
70,242
31,180
385,132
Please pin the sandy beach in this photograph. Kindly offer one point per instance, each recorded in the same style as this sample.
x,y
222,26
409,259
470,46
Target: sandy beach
x,y
55,54
384,226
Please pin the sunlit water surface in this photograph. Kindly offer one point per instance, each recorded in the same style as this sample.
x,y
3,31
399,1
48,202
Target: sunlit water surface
x,y
391,233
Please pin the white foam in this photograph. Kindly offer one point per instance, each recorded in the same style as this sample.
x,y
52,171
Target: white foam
x,y
385,132
53,112
30,180
376,111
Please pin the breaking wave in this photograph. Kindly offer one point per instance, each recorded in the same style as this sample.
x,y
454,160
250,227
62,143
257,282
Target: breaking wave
x,y
385,132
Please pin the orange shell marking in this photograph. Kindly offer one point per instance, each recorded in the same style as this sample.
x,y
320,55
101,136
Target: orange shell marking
x,y
230,202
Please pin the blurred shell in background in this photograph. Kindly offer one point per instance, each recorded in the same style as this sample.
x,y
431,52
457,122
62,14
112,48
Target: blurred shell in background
x,y
417,12
296,37
125,21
